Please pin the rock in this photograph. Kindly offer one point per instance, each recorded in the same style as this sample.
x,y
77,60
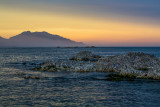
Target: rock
x,y
50,68
25,76
31,77
132,61
24,63
35,63
120,77
85,56
21,74
138,63
47,63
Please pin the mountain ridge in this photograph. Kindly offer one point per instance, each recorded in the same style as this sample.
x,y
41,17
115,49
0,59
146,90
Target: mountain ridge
x,y
38,39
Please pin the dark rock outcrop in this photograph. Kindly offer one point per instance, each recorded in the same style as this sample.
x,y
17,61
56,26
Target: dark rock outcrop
x,y
133,63
86,56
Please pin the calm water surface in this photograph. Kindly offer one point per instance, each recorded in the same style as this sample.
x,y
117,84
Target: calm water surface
x,y
63,89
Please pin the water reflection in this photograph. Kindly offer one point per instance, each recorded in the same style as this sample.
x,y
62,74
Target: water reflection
x,y
68,88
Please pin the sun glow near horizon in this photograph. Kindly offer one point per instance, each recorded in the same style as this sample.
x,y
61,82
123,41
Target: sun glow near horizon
x,y
90,29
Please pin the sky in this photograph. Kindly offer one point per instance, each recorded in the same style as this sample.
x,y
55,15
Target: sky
x,y
94,22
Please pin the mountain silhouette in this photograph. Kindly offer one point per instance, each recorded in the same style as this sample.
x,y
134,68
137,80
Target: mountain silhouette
x,y
38,39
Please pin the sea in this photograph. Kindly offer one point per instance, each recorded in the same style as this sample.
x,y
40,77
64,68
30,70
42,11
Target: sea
x,y
71,89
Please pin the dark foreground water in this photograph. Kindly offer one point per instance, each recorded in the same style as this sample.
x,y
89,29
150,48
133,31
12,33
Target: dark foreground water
x,y
70,88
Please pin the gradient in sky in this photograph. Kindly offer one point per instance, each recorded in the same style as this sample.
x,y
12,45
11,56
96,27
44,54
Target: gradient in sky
x,y
95,22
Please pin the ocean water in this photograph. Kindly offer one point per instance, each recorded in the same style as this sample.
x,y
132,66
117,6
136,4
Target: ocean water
x,y
71,89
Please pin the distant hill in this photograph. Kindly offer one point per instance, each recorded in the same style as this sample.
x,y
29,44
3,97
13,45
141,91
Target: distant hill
x,y
3,42
38,39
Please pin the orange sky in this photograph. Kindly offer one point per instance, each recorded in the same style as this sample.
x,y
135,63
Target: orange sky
x,y
113,30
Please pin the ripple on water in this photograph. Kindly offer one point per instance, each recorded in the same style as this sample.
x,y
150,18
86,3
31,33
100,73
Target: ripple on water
x,y
70,89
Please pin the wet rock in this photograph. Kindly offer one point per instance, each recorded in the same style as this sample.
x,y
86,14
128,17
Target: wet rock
x,y
25,76
47,63
35,63
86,56
120,77
139,63
37,69
50,68
31,77
21,74
24,63
132,62
29,63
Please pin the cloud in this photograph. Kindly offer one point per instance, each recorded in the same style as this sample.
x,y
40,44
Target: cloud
x,y
133,8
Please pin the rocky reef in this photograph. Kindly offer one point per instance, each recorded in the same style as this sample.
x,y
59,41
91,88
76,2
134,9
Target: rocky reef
x,y
137,64
25,76
86,56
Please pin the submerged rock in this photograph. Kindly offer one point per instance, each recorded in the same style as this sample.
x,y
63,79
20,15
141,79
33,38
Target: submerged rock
x,y
21,74
47,63
86,56
26,76
31,77
120,77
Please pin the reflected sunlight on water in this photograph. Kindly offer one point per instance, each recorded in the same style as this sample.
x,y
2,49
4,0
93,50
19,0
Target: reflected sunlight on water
x,y
70,88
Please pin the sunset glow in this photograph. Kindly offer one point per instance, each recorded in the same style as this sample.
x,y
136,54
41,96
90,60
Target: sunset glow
x,y
86,23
